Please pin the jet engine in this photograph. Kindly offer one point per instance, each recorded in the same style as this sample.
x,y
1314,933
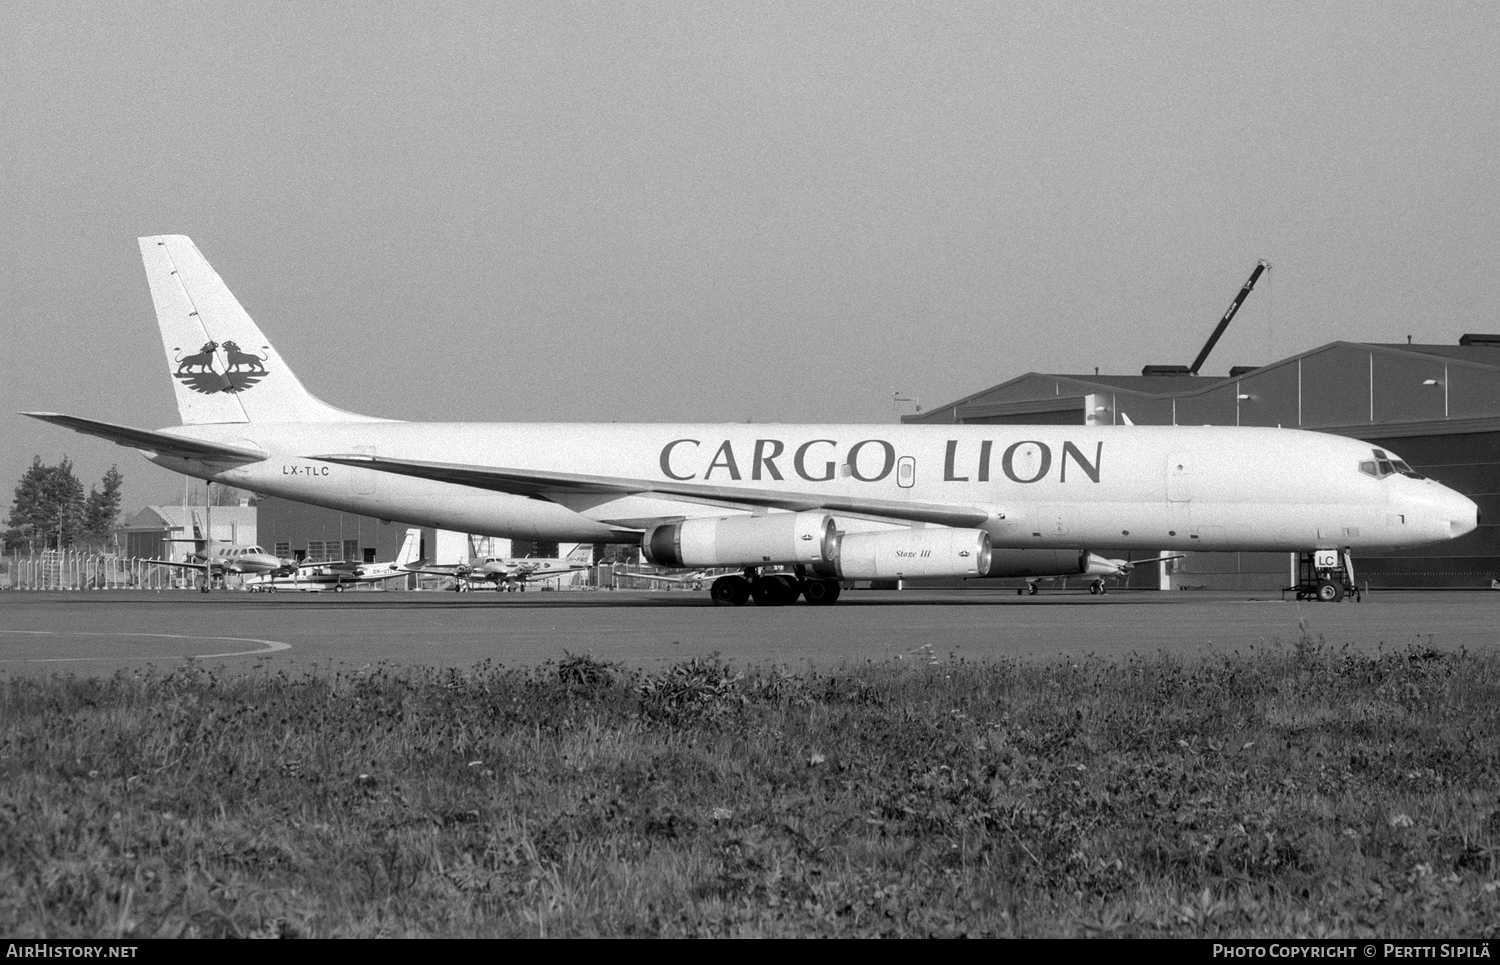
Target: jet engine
x,y
787,538
908,553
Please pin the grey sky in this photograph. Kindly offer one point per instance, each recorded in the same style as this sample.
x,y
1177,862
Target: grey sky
x,y
767,211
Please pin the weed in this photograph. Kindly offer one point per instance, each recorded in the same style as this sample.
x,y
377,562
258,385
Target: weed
x,y
1297,790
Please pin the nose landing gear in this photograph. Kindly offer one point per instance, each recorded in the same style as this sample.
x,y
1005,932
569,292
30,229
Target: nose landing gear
x,y
1326,576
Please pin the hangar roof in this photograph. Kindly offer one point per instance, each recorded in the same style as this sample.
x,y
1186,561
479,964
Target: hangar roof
x,y
1338,385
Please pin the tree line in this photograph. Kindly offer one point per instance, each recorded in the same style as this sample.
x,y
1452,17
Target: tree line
x,y
51,511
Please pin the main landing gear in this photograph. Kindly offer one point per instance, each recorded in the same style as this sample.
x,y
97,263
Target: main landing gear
x,y
773,589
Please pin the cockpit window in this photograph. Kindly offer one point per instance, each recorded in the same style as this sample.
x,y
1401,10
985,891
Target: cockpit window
x,y
1386,465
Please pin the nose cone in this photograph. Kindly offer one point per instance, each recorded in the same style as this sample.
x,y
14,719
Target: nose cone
x,y
1461,511
1440,512
1430,512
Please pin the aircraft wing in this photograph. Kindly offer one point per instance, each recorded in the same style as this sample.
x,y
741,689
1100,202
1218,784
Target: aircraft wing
x,y
190,566
162,443
529,482
439,569
341,566
1158,559
665,579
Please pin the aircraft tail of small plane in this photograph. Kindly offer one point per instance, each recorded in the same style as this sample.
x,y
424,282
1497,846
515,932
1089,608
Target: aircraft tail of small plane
x,y
223,368
201,544
410,548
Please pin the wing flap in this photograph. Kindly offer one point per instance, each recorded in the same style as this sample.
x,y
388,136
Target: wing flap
x,y
162,443
529,482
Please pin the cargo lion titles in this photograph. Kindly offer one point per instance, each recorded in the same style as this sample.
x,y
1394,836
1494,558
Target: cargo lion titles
x,y
872,460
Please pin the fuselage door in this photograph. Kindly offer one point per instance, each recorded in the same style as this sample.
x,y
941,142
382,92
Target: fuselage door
x,y
906,472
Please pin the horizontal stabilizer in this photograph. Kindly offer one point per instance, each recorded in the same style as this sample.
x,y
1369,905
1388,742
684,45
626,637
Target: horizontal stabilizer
x,y
162,443
529,482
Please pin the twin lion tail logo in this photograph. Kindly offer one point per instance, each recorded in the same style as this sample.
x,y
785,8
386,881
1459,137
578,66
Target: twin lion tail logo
x,y
242,370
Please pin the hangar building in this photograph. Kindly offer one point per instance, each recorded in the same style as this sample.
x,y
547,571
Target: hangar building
x,y
1436,406
294,530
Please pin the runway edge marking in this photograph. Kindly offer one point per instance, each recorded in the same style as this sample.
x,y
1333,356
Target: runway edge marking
x,y
271,646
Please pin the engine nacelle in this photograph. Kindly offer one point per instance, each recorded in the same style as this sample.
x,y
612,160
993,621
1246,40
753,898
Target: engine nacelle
x,y
1038,562
787,538
909,553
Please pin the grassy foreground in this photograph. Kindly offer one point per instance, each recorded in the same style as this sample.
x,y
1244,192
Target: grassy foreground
x,y
1295,791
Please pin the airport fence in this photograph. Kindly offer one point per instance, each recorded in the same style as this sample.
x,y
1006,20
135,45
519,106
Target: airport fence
x,y
76,570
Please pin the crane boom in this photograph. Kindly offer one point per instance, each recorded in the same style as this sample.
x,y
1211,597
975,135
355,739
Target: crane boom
x,y
1234,306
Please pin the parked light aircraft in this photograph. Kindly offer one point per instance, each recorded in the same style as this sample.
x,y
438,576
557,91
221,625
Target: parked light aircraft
x,y
504,572
830,502
693,578
1083,563
338,574
217,559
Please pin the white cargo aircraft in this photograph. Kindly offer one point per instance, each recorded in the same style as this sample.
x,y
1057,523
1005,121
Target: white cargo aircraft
x,y
828,502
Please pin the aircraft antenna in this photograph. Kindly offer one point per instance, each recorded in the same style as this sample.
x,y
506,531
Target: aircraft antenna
x,y
1234,306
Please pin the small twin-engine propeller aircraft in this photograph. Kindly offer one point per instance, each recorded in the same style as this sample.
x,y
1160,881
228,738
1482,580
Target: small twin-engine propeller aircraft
x,y
1099,567
338,574
826,502
217,559
503,572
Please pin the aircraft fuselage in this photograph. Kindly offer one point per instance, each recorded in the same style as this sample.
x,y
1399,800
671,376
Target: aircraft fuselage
x,y
1135,487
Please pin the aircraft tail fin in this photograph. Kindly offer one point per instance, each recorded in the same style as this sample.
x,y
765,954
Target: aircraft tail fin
x,y
410,548
223,368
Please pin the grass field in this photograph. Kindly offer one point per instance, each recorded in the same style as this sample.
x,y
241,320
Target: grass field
x,y
1293,791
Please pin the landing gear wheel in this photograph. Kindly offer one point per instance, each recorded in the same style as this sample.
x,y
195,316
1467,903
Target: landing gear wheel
x,y
1330,592
730,591
775,590
1093,589
1031,588
821,592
